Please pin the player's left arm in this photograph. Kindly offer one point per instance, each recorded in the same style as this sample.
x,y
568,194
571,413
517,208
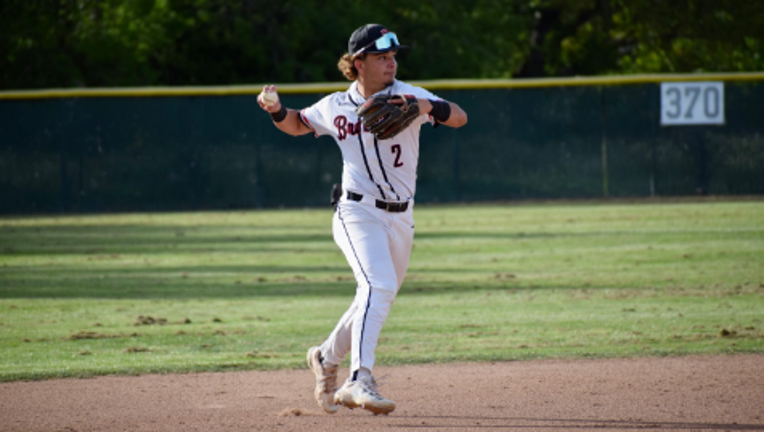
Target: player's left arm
x,y
456,117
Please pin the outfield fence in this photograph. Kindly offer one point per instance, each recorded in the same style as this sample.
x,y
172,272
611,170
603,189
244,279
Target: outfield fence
x,y
190,148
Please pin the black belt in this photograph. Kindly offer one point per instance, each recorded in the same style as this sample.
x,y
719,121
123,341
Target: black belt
x,y
392,207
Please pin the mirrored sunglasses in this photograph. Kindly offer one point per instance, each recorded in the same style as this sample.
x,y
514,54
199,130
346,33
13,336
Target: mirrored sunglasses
x,y
387,41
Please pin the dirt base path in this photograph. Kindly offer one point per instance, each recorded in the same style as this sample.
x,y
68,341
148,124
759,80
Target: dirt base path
x,y
715,393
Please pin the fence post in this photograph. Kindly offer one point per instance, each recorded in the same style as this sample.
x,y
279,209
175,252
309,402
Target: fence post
x,y
67,122
457,162
63,173
701,187
655,106
603,146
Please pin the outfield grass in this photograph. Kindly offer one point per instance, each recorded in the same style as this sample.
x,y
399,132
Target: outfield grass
x,y
253,290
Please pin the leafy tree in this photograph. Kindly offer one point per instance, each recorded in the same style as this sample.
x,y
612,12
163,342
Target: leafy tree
x,y
590,37
689,35
70,43
51,43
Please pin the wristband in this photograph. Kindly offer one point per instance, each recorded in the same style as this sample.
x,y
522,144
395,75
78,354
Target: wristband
x,y
279,115
441,111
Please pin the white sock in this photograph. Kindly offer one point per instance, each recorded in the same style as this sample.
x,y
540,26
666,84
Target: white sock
x,y
363,373
326,364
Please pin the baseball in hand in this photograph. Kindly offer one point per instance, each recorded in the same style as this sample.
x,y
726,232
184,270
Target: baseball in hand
x,y
270,98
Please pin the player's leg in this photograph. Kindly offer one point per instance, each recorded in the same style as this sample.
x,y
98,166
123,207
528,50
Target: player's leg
x,y
337,346
364,240
324,360
401,242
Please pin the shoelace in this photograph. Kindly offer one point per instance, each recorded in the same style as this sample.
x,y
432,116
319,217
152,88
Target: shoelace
x,y
329,380
371,387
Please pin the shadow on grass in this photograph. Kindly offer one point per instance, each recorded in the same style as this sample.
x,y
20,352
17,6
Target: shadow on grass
x,y
151,239
171,239
198,283
125,261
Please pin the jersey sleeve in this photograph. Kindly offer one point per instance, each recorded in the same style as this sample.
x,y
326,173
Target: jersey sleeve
x,y
420,93
317,117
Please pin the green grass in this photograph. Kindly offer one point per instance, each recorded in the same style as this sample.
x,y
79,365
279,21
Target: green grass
x,y
253,290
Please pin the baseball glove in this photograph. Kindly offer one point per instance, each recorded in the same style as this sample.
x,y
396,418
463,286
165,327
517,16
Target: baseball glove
x,y
386,119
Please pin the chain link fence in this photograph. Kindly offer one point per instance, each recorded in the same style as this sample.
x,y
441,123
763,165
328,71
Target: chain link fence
x,y
75,152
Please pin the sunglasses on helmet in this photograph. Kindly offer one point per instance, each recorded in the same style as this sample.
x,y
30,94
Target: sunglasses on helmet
x,y
387,41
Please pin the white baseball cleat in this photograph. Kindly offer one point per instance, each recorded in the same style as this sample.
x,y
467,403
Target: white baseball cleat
x,y
363,393
326,381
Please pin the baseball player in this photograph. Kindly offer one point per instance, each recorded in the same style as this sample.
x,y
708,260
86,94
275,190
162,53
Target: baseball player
x,y
373,222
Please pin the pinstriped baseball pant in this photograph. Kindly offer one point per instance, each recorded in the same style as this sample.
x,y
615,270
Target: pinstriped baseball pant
x,y
377,245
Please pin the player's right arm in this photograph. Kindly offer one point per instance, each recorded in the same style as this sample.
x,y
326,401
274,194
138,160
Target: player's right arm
x,y
270,102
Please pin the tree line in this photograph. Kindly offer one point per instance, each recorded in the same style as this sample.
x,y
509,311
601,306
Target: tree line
x,y
106,43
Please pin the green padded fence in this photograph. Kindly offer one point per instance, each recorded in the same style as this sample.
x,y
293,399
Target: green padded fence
x,y
156,149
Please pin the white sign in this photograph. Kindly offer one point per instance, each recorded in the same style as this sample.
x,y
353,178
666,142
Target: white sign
x,y
692,103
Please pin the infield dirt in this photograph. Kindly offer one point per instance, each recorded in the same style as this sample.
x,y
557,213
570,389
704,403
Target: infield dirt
x,y
699,393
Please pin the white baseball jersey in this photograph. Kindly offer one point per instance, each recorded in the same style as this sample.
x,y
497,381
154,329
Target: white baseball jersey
x,y
383,169
376,243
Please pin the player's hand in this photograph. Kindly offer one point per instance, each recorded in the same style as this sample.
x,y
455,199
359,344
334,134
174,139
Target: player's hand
x,y
424,105
269,99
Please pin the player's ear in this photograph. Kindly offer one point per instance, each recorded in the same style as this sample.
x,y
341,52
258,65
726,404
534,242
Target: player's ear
x,y
359,64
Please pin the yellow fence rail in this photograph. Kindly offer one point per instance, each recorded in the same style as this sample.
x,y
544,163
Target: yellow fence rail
x,y
456,84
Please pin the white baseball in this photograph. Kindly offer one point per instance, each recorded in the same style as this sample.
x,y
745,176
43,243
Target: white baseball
x,y
270,98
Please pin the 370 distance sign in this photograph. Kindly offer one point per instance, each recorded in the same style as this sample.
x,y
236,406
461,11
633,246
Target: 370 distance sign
x,y
692,103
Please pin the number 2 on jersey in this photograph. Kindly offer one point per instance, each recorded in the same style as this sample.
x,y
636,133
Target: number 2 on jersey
x,y
396,149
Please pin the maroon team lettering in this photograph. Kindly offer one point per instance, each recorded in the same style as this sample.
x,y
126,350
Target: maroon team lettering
x,y
396,149
344,128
